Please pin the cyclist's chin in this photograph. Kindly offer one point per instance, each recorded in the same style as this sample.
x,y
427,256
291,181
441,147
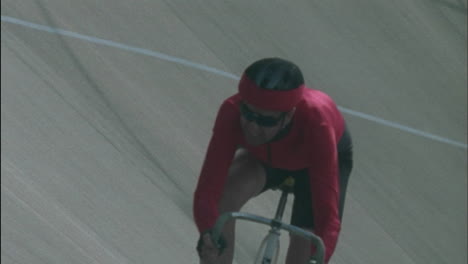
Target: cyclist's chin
x,y
255,140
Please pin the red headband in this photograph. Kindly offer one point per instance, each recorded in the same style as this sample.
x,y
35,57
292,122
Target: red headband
x,y
275,100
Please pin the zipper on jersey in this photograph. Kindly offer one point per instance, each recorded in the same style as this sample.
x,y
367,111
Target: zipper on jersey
x,y
269,154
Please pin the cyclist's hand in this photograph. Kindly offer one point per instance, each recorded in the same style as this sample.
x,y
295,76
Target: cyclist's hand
x,y
209,251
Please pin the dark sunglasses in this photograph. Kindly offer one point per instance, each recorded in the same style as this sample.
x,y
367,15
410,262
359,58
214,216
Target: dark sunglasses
x,y
261,120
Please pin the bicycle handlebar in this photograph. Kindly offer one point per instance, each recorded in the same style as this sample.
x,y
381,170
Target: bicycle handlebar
x,y
319,255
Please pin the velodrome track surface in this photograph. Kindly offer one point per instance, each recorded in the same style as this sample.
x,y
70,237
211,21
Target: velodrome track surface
x,y
107,108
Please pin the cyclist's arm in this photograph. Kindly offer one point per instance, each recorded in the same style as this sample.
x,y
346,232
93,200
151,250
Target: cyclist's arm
x,y
325,188
215,168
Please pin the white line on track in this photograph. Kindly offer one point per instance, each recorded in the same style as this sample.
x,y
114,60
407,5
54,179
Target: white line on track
x,y
202,67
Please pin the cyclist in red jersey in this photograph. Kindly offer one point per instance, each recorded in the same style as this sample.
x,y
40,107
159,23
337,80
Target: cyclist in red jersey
x,y
274,127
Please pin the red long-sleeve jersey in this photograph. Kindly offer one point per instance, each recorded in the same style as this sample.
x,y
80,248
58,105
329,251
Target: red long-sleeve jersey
x,y
311,143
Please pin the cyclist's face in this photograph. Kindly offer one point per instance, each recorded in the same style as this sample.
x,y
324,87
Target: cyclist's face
x,y
260,126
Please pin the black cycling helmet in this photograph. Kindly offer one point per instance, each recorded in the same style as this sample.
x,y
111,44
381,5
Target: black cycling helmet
x,y
275,74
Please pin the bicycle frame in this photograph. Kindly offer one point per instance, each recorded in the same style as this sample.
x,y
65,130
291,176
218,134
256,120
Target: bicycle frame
x,y
268,251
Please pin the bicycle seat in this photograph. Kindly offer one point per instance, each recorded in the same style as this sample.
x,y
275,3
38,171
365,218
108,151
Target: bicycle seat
x,y
287,185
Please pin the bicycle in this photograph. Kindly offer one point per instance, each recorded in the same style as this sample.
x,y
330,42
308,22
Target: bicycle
x,y
269,248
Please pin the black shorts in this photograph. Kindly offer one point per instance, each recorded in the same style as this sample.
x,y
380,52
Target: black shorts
x,y
302,213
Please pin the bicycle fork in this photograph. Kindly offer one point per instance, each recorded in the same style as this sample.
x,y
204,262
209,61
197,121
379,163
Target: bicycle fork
x,y
269,249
